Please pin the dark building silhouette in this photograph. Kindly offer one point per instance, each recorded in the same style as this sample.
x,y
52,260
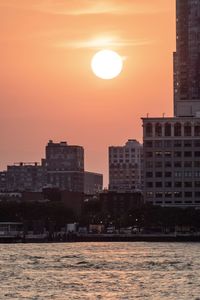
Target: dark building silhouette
x,y
93,183
187,58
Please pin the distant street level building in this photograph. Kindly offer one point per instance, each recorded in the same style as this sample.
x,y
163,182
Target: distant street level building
x,y
93,183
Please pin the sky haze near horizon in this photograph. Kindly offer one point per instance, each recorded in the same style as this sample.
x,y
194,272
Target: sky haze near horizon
x,y
47,88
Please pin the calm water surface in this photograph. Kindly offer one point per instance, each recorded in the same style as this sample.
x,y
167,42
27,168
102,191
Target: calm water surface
x,y
150,271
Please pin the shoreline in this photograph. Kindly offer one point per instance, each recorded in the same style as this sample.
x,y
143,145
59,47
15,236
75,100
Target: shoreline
x,y
74,238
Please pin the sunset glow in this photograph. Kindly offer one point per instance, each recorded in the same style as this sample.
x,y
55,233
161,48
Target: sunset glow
x,y
47,87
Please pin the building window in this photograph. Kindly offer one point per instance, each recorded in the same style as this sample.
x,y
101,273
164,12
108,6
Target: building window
x,y
149,194
197,164
168,194
197,129
168,174
158,164
188,194
197,184
187,174
188,154
149,184
177,194
159,194
177,129
158,154
187,143
158,129
177,164
178,174
197,153
177,154
168,164
197,143
149,144
167,144
149,154
159,184
149,130
188,184
188,164
168,154
149,164
168,184
168,129
158,174
158,144
187,129
149,174
197,194
177,143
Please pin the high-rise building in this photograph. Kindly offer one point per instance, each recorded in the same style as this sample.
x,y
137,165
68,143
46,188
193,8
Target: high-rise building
x,y
171,145
172,161
64,165
125,167
187,59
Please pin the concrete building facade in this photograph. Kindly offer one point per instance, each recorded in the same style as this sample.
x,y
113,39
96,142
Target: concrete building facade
x,y
172,145
64,165
172,161
187,59
125,167
25,177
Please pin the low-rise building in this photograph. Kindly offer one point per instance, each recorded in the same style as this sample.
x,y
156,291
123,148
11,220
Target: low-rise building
x,y
25,177
93,183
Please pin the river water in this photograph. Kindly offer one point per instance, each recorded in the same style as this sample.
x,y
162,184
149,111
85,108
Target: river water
x,y
153,271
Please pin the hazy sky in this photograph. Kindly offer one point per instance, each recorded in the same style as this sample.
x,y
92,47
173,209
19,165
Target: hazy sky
x,y
47,88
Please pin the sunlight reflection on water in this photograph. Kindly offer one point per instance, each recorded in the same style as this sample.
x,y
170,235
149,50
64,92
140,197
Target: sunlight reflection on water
x,y
153,271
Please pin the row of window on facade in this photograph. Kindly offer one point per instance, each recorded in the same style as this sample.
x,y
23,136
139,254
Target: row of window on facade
x,y
170,143
173,194
175,164
175,174
160,154
176,184
178,129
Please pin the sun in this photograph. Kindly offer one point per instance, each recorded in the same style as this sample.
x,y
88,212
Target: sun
x,y
107,64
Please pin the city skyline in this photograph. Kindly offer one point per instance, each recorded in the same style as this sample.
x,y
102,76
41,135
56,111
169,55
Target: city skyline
x,y
43,61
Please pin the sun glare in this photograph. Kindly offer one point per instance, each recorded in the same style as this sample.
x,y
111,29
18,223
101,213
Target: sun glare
x,y
107,64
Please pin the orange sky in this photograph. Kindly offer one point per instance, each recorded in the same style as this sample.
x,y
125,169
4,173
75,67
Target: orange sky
x,y
47,88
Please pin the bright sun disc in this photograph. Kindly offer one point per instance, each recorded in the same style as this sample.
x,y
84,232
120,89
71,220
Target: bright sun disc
x,y
107,64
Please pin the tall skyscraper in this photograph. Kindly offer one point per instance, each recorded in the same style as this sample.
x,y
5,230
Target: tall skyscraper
x,y
171,145
187,59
